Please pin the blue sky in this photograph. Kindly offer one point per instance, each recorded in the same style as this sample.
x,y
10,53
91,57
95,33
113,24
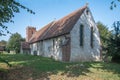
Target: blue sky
x,y
49,10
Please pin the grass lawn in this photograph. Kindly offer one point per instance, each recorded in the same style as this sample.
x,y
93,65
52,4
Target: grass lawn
x,y
28,67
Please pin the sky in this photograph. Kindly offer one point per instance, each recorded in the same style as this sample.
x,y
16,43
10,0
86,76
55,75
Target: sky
x,y
50,10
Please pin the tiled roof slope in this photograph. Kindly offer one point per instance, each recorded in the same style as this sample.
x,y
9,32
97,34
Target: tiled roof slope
x,y
25,45
57,28
40,33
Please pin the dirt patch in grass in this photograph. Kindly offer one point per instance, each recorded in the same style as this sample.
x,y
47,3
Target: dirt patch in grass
x,y
23,73
3,75
71,72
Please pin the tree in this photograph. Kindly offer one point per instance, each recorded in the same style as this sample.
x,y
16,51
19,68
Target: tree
x,y
114,44
104,36
114,4
14,42
7,10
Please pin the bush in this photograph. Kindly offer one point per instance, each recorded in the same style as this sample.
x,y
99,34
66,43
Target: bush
x,y
116,58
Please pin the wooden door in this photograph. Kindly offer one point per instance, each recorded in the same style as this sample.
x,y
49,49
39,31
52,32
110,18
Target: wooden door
x,y
66,51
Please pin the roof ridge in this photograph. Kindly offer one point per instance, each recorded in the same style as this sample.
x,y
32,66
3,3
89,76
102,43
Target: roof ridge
x,y
75,11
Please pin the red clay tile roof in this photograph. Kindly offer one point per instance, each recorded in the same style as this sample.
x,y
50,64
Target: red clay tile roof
x,y
57,28
40,34
25,45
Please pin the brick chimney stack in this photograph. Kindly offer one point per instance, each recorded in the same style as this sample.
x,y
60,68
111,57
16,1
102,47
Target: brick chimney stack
x,y
29,32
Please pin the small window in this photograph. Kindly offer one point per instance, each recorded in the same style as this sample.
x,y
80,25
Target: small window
x,y
87,12
81,35
31,32
91,38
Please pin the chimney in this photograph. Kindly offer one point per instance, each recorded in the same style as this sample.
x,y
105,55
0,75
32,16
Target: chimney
x,y
29,32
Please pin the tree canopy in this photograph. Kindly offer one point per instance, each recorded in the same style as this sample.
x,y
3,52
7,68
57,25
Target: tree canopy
x,y
104,35
114,43
110,41
7,10
14,42
114,4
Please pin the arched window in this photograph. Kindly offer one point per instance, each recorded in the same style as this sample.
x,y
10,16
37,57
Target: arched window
x,y
81,34
91,37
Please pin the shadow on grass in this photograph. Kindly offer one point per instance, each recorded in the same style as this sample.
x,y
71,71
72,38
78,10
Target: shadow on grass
x,y
28,67
108,67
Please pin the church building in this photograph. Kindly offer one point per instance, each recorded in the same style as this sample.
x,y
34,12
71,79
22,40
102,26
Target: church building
x,y
72,38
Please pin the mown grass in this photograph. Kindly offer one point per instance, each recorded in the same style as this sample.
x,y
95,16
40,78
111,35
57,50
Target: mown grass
x,y
28,67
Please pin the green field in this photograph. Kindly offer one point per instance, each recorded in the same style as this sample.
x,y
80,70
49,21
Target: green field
x,y
28,67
